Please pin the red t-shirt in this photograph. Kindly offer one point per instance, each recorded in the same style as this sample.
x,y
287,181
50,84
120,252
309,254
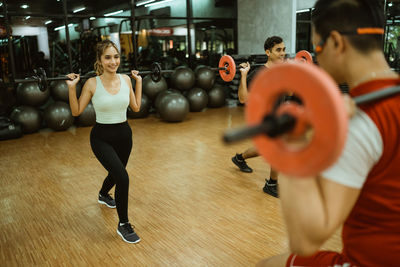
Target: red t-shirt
x,y
371,233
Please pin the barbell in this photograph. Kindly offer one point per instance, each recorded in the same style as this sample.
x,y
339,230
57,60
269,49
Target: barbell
x,y
322,115
227,66
41,78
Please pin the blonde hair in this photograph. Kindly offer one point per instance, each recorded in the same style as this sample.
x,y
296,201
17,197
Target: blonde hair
x,y
100,48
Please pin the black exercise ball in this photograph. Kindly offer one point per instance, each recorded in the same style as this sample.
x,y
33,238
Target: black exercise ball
x,y
60,91
162,94
198,99
144,109
88,116
173,107
30,94
216,97
151,88
28,117
205,78
183,78
58,116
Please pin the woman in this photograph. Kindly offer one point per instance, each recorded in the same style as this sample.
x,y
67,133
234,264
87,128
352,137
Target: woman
x,y
111,137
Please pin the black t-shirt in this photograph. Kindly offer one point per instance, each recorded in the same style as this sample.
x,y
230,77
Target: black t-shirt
x,y
286,97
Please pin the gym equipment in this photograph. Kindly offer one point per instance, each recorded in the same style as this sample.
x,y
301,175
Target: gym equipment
x,y
41,79
8,129
183,78
227,66
152,88
205,78
59,90
198,99
322,117
304,56
216,97
58,116
88,116
144,108
173,107
30,94
28,117
162,94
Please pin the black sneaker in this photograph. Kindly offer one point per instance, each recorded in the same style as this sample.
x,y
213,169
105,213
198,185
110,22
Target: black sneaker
x,y
271,189
107,200
241,163
127,233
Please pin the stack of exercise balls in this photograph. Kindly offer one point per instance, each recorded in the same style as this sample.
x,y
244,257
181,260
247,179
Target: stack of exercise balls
x,y
171,104
193,91
37,109
205,78
26,113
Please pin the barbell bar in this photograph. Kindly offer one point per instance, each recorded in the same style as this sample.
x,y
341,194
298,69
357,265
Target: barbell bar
x,y
41,78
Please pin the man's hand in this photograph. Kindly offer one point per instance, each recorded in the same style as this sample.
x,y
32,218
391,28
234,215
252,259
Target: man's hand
x,y
244,68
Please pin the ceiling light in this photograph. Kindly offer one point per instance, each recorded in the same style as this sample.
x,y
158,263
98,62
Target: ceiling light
x,y
79,9
48,22
62,27
390,4
27,17
92,18
24,6
113,13
158,3
303,10
141,3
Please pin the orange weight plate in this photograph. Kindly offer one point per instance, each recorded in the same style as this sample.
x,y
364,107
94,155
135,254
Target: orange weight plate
x,y
230,65
304,56
323,110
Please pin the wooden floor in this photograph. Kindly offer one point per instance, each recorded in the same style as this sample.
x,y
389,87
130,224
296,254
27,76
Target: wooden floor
x,y
190,205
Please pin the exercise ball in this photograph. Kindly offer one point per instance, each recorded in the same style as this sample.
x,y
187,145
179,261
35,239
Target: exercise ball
x,y
28,117
144,109
60,91
162,94
173,107
58,116
151,88
205,78
30,94
197,98
88,116
216,97
199,67
183,78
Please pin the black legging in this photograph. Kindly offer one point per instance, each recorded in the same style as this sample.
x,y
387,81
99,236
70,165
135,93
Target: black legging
x,y
112,145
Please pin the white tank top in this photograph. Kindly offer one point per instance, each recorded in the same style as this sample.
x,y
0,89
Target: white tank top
x,y
110,108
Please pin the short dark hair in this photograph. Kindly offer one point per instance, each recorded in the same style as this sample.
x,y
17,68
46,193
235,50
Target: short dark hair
x,y
346,16
272,41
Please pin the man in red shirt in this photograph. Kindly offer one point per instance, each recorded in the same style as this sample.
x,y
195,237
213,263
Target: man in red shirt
x,y
361,191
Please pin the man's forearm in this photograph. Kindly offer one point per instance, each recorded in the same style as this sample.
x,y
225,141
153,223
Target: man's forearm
x,y
242,92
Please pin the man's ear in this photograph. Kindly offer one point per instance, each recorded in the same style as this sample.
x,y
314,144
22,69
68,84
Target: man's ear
x,y
338,41
267,52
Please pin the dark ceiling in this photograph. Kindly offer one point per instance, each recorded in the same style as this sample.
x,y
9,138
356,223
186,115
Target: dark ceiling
x,y
40,11
55,7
